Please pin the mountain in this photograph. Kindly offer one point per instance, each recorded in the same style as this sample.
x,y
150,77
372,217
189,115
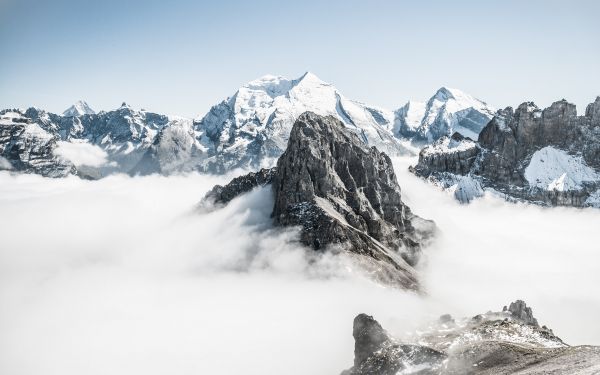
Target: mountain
x,y
251,128
448,111
500,343
80,108
26,146
248,130
122,136
550,157
341,194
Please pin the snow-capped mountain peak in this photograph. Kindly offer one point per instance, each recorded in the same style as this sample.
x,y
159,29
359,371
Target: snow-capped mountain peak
x,y
80,108
445,93
449,110
254,123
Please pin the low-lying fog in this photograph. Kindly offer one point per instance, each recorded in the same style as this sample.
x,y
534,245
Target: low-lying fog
x,y
118,276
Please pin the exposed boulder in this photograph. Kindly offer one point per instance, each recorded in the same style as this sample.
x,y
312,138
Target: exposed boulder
x,y
550,156
341,193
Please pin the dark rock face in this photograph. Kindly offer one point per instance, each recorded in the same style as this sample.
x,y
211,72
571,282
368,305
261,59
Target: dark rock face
x,y
375,352
519,310
369,337
507,146
338,190
220,195
341,193
505,342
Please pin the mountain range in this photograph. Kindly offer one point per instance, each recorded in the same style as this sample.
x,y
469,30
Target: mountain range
x,y
248,130
549,157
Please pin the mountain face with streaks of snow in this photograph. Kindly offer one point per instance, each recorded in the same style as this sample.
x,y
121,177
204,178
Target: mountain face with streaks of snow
x,y
550,157
94,144
80,108
248,130
448,111
251,128
26,146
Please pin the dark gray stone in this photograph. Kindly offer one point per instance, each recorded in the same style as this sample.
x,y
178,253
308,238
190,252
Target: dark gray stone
x,y
519,310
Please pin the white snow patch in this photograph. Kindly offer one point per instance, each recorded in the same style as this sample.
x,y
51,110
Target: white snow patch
x,y
80,108
554,169
447,145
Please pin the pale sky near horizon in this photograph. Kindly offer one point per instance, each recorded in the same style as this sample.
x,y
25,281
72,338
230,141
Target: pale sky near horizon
x,y
183,56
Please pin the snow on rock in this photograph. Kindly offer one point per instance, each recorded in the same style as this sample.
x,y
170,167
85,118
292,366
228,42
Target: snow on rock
x,y
80,108
553,169
254,124
448,145
448,111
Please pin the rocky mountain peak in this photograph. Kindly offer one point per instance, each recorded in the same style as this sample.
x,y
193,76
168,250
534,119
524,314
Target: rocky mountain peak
x,y
519,310
252,127
369,337
447,111
80,108
444,94
592,111
341,194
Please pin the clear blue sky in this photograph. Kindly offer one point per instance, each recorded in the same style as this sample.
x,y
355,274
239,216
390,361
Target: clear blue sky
x,y
181,57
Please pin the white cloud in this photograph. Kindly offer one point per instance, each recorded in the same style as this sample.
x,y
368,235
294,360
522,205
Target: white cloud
x,y
119,276
81,153
5,164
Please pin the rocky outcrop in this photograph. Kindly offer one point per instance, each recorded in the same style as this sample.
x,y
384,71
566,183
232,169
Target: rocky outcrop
x,y
343,195
376,353
221,195
519,310
550,156
504,342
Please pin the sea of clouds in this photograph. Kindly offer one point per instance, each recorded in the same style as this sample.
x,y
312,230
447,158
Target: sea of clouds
x,y
124,276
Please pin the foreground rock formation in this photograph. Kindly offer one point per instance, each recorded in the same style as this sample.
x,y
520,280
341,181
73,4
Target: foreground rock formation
x,y
504,342
342,195
550,157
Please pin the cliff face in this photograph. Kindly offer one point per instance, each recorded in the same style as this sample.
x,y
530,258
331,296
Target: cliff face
x,y
344,194
549,156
